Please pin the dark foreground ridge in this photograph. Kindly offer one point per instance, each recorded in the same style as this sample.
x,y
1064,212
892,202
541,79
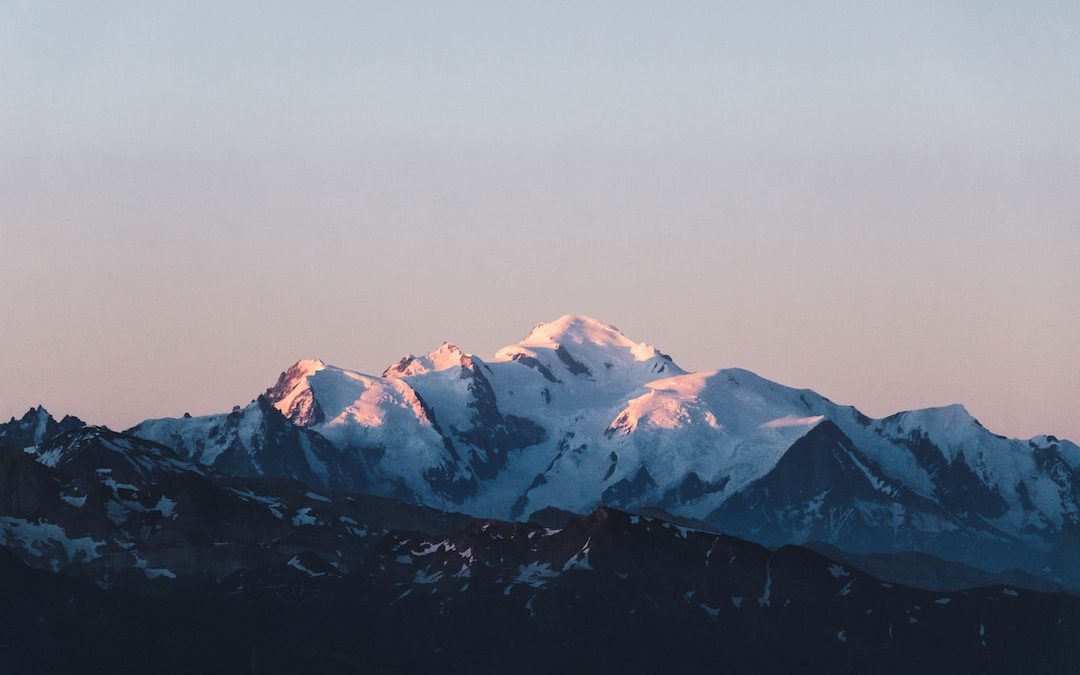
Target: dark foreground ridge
x,y
121,558
606,594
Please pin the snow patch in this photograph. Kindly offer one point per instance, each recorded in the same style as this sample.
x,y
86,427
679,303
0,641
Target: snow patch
x,y
295,563
275,506
427,578
791,421
304,517
837,571
535,574
166,507
78,502
36,538
580,560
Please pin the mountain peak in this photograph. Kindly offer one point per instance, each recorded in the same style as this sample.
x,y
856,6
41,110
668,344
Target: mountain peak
x,y
308,366
950,426
30,429
36,426
443,357
292,396
301,370
576,328
945,416
601,344
33,415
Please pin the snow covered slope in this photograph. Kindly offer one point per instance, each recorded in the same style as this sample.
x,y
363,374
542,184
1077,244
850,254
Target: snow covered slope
x,y
585,354
257,440
383,423
458,393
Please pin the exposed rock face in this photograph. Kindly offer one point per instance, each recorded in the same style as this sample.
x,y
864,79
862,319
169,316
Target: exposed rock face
x,y
293,399
34,427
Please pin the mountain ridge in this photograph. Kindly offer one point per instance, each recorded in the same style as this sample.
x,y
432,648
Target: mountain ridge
x,y
578,415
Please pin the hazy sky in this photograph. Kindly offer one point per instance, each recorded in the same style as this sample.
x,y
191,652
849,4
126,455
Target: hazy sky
x,y
880,201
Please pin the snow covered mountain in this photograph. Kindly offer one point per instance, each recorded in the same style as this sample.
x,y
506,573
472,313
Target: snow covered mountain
x,y
577,415
344,520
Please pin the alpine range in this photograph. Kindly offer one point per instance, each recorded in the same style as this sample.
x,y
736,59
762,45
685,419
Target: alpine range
x,y
577,502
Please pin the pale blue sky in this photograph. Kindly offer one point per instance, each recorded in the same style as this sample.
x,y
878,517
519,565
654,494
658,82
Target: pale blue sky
x,y
875,200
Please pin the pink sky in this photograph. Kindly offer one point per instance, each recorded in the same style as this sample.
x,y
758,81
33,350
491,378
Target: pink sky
x,y
876,202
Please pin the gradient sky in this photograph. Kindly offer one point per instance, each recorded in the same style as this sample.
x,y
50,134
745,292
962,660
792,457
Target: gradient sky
x,y
880,201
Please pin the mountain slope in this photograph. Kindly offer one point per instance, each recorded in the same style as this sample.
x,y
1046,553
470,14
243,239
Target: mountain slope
x,y
257,440
457,392
825,489
383,422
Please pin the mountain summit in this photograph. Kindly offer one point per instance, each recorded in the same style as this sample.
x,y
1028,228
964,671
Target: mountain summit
x,y
578,329
35,427
442,357
587,346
